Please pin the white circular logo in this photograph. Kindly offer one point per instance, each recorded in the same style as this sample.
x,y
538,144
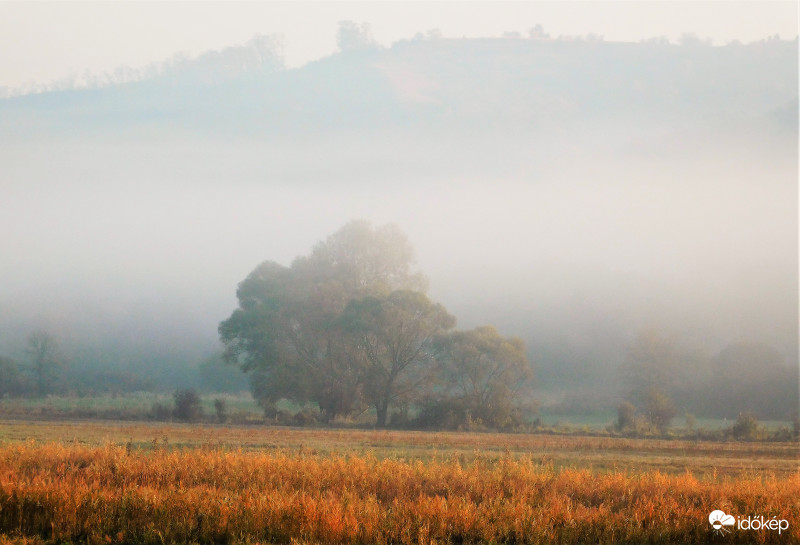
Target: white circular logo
x,y
719,520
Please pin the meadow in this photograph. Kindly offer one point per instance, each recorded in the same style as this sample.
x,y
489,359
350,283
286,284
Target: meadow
x,y
241,408
126,482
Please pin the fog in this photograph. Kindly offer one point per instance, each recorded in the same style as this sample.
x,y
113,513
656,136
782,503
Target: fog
x,y
572,214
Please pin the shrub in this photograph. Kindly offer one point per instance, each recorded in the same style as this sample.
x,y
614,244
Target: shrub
x,y
306,417
187,405
746,428
160,411
221,408
442,414
626,417
659,409
691,422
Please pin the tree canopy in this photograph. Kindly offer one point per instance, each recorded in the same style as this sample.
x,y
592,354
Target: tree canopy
x,y
393,340
349,327
486,374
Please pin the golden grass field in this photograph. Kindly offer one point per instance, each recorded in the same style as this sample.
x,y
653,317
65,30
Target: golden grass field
x,y
103,482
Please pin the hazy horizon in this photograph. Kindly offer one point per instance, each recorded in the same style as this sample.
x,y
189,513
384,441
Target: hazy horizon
x,y
571,192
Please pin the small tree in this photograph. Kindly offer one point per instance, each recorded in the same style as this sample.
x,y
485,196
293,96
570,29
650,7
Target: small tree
x,y
486,376
659,409
187,405
626,416
220,406
45,359
746,427
691,422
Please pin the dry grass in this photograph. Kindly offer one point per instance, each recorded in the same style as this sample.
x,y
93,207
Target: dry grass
x,y
703,458
180,484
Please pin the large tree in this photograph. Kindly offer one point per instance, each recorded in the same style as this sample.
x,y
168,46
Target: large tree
x,y
288,331
393,338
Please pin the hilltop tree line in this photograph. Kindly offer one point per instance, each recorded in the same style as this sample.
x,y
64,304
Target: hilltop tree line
x,y
350,328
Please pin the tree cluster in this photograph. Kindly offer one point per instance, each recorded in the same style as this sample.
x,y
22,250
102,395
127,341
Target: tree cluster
x,y
349,327
660,377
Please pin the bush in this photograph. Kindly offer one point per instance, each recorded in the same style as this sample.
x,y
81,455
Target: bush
x,y
306,417
221,408
659,409
442,414
626,417
160,411
187,405
691,422
746,428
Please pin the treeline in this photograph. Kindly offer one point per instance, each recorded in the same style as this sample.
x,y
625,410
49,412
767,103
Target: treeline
x,y
744,381
349,331
477,82
350,328
63,370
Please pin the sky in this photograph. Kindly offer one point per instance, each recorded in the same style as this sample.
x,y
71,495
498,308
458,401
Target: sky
x,y
43,42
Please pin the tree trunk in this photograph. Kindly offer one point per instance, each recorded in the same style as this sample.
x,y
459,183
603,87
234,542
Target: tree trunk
x,y
382,408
